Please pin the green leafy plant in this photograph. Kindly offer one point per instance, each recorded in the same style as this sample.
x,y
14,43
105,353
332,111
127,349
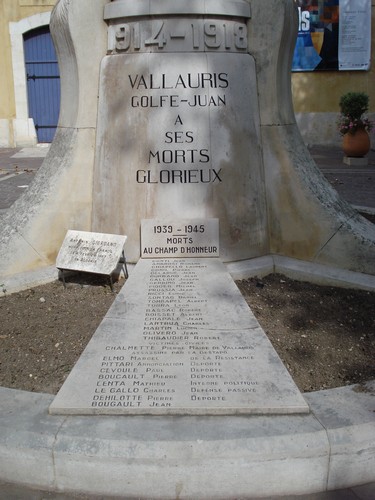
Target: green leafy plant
x,y
352,106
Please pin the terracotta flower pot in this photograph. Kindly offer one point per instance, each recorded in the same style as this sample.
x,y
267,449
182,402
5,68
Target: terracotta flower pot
x,y
356,145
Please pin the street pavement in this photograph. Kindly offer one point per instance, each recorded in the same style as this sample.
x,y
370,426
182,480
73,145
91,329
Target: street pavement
x,y
12,492
17,170
355,184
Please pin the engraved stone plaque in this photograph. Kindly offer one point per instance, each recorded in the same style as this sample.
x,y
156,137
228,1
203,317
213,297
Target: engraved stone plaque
x,y
90,252
179,136
187,238
179,339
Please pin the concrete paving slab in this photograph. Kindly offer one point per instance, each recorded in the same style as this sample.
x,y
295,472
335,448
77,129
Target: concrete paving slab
x,y
201,457
322,274
189,457
301,270
14,492
16,170
39,151
356,184
331,495
365,492
23,281
261,266
27,436
348,416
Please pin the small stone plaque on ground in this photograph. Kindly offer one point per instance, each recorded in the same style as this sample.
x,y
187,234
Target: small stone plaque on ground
x,y
90,252
186,238
179,340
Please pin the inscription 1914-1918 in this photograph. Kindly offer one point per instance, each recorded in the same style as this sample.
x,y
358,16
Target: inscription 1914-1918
x,y
166,35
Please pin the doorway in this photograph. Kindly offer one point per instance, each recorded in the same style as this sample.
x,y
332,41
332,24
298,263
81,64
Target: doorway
x,y
43,82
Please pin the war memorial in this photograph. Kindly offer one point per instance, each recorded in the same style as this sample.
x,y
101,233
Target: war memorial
x,y
177,142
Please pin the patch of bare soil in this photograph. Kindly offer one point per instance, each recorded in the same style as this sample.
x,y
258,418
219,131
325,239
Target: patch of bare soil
x,y
324,335
45,329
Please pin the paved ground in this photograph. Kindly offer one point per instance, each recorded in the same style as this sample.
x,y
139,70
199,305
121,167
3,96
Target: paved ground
x,y
365,492
17,169
355,184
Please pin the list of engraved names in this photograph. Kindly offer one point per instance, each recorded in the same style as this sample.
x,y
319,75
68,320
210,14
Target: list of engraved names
x,y
179,359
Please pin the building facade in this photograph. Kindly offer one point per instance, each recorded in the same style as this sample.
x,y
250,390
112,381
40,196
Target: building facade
x,y
316,95
29,82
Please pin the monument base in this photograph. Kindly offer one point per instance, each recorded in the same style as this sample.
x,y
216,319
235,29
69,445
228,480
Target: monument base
x,y
190,457
179,340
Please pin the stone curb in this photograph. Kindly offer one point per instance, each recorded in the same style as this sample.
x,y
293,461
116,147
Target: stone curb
x,y
31,279
190,457
293,268
365,210
301,270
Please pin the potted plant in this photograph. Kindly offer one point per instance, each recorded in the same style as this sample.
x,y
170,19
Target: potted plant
x,y
353,126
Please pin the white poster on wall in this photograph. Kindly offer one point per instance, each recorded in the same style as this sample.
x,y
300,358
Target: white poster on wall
x,y
355,35
333,35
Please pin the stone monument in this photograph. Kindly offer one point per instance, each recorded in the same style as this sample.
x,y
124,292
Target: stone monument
x,y
181,108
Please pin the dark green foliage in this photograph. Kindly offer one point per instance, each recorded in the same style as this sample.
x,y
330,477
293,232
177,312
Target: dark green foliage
x,y
354,104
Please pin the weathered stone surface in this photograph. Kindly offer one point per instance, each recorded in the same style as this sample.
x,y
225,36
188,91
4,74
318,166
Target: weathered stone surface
x,y
179,339
90,252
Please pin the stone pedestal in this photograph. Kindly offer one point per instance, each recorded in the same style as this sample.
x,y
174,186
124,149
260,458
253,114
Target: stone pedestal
x,y
191,145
